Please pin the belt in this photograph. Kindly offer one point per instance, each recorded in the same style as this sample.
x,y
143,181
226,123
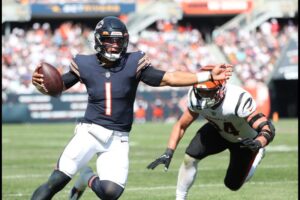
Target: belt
x,y
115,133
120,133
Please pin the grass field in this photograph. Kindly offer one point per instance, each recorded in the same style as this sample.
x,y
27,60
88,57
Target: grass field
x,y
29,153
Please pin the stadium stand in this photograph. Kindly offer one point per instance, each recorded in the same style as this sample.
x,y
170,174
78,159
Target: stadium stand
x,y
254,49
253,54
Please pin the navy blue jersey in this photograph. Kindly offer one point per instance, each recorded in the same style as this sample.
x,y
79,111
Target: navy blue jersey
x,y
111,91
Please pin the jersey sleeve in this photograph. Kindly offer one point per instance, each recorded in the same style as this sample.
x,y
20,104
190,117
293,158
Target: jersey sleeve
x,y
245,105
143,62
147,73
191,101
74,68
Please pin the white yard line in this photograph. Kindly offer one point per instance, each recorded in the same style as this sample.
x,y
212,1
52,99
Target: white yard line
x,y
171,187
208,185
262,166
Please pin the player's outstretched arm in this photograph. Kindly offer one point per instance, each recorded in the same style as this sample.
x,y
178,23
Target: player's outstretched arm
x,y
177,133
180,78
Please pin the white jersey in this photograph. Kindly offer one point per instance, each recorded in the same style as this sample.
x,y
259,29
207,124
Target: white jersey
x,y
229,116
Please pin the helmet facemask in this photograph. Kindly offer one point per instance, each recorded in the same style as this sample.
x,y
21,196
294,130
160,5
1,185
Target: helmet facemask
x,y
209,93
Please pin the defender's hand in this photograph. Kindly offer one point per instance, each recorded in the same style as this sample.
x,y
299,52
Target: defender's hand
x,y
221,72
163,159
38,80
253,145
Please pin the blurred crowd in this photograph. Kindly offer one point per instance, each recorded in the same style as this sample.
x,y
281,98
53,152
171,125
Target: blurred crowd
x,y
254,54
72,1
170,47
23,49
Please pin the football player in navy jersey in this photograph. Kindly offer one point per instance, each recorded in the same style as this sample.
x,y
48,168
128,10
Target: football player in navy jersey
x,y
111,77
233,123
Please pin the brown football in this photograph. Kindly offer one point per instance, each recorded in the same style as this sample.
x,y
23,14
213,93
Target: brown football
x,y
52,79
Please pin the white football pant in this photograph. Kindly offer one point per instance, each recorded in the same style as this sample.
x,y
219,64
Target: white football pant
x,y
112,162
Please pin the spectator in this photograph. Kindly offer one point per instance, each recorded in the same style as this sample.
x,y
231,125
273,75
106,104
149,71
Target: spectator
x,y
140,115
157,111
253,54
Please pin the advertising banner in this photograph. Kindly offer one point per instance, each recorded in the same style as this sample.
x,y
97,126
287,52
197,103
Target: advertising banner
x,y
69,107
80,9
216,7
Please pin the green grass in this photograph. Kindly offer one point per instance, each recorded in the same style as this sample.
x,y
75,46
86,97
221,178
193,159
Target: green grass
x,y
30,151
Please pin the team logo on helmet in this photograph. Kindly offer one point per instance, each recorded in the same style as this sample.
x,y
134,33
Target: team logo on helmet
x,y
100,24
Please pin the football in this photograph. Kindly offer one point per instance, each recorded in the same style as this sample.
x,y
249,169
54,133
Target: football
x,y
52,79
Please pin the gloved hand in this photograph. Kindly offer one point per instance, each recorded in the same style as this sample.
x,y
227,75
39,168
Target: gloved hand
x,y
253,145
163,159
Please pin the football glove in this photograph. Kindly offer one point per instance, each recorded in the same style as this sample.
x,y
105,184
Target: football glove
x,y
163,159
253,145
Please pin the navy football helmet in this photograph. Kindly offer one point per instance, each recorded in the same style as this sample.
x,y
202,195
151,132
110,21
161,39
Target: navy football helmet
x,y
111,38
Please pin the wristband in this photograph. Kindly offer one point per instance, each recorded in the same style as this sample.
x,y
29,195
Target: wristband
x,y
203,76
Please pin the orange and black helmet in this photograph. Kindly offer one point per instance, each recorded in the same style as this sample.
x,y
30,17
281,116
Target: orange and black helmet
x,y
211,91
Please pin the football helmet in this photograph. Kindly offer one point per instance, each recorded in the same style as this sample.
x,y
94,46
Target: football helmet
x,y
111,38
210,92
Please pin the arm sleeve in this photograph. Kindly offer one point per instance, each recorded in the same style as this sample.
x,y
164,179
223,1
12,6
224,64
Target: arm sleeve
x,y
152,76
70,79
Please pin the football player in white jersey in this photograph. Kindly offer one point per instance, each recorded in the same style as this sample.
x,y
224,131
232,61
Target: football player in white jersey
x,y
233,124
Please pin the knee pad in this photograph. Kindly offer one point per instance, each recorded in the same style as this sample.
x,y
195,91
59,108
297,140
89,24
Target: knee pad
x,y
189,161
232,185
106,190
56,182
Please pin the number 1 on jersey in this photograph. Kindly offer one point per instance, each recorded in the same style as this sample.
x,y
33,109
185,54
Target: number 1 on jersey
x,y
108,98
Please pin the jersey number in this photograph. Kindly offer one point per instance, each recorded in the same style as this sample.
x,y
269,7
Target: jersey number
x,y
108,98
228,128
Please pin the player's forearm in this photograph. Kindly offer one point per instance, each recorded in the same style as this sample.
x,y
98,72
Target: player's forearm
x,y
175,137
179,78
64,87
264,127
262,140
69,79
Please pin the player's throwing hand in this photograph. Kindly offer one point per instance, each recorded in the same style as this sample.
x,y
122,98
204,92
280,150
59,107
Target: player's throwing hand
x,y
38,80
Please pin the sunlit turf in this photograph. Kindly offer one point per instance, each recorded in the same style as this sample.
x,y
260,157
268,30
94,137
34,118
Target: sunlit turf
x,y
30,151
